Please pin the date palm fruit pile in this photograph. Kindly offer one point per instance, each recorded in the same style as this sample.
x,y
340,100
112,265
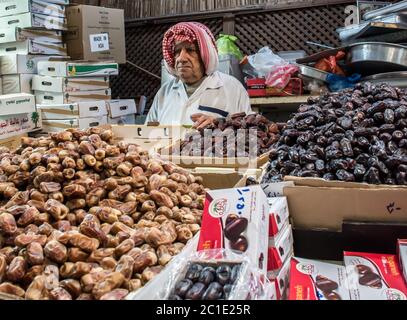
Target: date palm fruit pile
x,y
83,218
224,137
357,135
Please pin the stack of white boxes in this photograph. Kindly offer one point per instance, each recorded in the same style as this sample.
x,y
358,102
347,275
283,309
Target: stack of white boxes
x,y
280,245
30,31
74,94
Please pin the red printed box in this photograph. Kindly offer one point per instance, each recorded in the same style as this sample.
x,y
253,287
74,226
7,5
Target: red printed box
x,y
282,280
237,219
280,249
314,280
278,216
374,276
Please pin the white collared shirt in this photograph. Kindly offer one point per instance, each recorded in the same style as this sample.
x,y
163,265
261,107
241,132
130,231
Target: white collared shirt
x,y
219,95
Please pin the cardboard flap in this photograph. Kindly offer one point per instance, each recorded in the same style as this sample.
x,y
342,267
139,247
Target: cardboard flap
x,y
319,182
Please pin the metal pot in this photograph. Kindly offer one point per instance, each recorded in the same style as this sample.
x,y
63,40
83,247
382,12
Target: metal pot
x,y
369,58
396,79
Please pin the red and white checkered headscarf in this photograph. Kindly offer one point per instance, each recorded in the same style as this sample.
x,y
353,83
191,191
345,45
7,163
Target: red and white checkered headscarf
x,y
191,32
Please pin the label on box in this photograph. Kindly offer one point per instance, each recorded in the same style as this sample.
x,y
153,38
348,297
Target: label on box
x,y
278,216
12,125
314,280
237,219
72,69
280,248
374,276
99,42
17,103
402,250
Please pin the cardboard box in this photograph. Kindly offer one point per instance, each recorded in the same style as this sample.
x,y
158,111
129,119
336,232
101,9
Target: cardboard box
x,y
374,276
33,47
71,97
17,103
402,251
237,219
91,109
18,63
314,280
12,7
19,34
79,123
33,20
119,108
63,85
280,249
278,215
77,69
17,83
123,120
318,204
84,22
281,281
12,143
17,124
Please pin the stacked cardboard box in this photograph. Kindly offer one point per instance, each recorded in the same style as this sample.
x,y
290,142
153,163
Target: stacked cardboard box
x,y
77,94
280,245
30,31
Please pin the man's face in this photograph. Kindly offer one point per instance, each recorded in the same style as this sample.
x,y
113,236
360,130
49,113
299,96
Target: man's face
x,y
188,62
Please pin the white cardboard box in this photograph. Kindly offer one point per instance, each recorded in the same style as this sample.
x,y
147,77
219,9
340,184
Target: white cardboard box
x,y
62,84
19,34
280,249
17,83
72,97
91,109
18,63
17,124
237,219
315,280
17,103
123,120
402,250
119,108
80,123
33,47
33,20
281,280
77,69
13,7
278,215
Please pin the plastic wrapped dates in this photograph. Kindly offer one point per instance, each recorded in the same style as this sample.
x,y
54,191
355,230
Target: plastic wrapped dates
x,y
82,218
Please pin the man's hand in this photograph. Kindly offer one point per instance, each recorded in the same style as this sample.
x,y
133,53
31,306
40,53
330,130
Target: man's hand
x,y
201,121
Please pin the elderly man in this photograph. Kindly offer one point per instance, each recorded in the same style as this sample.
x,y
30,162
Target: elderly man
x,y
199,94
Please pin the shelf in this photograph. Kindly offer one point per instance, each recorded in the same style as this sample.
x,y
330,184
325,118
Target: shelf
x,y
282,104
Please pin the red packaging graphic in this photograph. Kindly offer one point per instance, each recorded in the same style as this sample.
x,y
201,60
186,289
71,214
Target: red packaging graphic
x,y
282,280
374,276
314,280
402,250
280,248
237,219
278,215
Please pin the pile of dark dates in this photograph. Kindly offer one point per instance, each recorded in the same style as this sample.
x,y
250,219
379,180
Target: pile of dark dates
x,y
220,139
207,282
356,135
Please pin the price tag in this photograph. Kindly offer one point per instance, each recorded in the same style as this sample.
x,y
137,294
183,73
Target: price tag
x,y
276,189
99,42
